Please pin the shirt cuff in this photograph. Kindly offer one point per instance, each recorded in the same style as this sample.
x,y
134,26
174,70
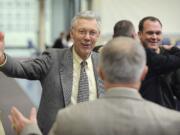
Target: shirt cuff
x,y
1,65
31,129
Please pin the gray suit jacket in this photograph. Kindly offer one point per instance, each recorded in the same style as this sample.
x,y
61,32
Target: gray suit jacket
x,y
54,69
121,111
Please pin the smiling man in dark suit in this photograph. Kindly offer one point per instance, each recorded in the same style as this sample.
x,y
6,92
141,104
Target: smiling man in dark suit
x,y
163,61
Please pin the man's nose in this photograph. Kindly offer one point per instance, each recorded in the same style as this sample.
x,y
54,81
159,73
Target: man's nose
x,y
87,35
154,35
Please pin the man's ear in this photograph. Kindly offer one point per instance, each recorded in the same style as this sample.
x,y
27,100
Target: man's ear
x,y
134,35
139,34
144,73
101,73
98,35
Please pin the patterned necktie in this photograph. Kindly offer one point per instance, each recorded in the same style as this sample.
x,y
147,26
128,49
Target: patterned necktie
x,y
83,93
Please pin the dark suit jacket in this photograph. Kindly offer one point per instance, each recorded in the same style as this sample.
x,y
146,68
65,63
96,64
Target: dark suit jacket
x,y
153,87
121,111
54,69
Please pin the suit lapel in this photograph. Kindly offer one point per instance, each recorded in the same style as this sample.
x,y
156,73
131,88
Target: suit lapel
x,y
66,76
99,82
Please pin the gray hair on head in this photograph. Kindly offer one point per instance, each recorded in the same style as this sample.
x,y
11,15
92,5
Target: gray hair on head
x,y
123,60
124,28
89,15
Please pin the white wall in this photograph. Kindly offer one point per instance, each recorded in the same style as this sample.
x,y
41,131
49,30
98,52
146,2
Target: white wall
x,y
111,11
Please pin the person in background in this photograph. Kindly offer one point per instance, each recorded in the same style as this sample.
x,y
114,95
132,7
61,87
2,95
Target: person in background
x,y
158,85
58,70
69,40
124,28
121,110
121,28
59,41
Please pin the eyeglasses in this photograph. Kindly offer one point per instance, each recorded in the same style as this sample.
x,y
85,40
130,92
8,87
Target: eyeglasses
x,y
84,32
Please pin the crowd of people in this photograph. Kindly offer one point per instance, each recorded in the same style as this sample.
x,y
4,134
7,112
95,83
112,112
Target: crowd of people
x,y
129,87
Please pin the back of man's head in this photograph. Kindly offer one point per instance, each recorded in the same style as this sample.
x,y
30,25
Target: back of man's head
x,y
122,60
124,28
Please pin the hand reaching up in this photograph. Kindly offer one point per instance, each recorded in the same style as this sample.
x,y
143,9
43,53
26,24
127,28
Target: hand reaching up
x,y
18,120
